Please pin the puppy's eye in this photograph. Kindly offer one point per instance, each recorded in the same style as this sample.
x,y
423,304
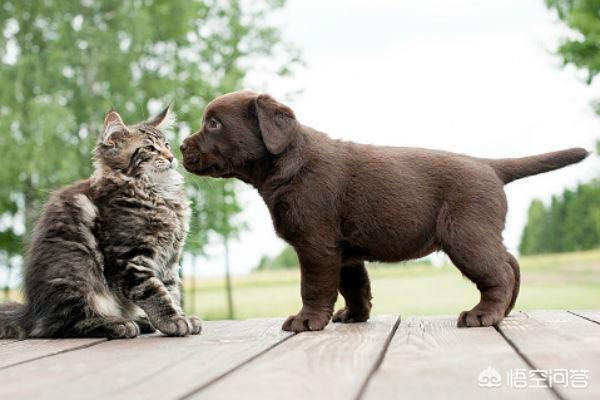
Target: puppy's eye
x,y
213,124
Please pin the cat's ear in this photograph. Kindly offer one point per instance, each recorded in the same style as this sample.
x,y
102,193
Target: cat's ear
x,y
164,119
114,129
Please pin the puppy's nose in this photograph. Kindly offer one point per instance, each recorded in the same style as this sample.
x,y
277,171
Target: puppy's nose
x,y
185,144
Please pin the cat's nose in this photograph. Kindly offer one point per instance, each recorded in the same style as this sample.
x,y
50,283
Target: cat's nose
x,y
167,154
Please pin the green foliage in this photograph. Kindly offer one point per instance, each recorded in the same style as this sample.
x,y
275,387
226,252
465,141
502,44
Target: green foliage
x,y
64,64
534,240
570,223
583,48
287,258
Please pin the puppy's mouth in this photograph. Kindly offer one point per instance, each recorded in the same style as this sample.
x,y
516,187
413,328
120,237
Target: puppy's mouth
x,y
204,165
214,171
191,161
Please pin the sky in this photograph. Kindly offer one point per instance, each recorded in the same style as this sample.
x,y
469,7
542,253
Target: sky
x,y
467,76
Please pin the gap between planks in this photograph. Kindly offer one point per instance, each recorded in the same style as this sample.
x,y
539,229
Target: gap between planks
x,y
50,353
527,361
589,317
235,368
574,338
335,361
380,359
429,357
184,362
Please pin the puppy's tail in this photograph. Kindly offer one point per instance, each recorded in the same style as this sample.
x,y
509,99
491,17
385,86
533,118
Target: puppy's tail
x,y
11,314
510,169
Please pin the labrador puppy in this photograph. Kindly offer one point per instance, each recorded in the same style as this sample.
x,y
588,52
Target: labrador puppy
x,y
340,204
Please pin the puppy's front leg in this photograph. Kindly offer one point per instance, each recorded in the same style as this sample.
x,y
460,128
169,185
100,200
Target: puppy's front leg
x,y
319,282
356,289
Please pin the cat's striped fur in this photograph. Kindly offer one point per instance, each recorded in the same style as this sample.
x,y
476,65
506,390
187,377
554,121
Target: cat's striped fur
x,y
104,256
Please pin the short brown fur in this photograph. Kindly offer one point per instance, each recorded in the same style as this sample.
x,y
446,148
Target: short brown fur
x,y
340,204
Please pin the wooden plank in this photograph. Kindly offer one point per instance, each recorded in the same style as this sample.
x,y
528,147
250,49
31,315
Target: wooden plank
x,y
558,340
147,367
18,352
429,357
592,315
330,364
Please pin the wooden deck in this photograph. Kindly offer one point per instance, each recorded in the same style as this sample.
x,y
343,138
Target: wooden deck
x,y
540,354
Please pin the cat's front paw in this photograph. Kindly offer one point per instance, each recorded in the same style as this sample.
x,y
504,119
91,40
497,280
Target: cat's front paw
x,y
179,325
121,329
196,325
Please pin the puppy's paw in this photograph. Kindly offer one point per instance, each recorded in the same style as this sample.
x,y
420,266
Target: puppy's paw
x,y
477,317
346,316
305,322
179,325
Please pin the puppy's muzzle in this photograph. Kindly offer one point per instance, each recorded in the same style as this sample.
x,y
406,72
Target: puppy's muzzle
x,y
191,154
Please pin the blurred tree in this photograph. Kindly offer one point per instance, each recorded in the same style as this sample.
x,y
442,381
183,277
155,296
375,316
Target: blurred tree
x,y
287,258
583,49
572,221
556,223
64,63
535,238
219,207
10,246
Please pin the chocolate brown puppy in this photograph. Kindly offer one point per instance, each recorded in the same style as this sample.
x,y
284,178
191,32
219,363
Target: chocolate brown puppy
x,y
340,204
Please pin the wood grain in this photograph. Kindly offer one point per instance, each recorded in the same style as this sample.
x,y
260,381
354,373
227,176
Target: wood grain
x,y
330,364
18,352
429,357
147,367
557,340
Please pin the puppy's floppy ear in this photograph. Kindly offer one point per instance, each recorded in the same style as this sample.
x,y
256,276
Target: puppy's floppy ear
x,y
277,123
114,129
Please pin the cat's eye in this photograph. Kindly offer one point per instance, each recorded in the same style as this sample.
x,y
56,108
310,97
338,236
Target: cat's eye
x,y
213,124
152,148
168,145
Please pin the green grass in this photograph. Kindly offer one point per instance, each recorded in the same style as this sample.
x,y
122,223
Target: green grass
x,y
557,281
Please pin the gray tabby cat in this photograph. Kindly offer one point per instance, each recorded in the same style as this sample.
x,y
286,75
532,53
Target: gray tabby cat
x,y
104,255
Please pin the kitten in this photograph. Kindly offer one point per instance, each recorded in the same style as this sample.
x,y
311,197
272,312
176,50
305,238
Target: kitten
x,y
104,256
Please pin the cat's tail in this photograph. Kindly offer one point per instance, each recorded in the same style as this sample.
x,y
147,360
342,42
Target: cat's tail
x,y
510,169
11,314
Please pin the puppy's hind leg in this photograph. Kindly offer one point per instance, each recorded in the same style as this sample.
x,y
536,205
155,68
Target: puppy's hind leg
x,y
355,287
482,258
517,273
